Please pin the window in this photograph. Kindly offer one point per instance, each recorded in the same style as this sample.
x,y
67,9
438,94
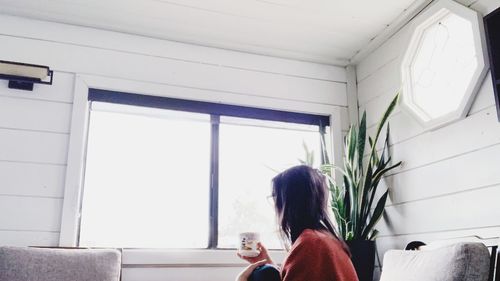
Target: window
x,y
251,153
168,173
144,173
444,64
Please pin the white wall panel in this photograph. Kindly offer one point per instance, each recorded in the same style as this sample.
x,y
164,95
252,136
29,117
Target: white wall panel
x,y
29,114
476,132
60,90
30,213
475,208
345,119
389,51
102,39
111,63
379,83
31,238
375,107
31,146
473,170
404,127
448,185
30,179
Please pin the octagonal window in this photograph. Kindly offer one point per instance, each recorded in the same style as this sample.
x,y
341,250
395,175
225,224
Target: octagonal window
x,y
444,64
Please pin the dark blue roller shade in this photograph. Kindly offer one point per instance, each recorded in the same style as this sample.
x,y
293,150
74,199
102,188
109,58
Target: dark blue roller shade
x,y
207,107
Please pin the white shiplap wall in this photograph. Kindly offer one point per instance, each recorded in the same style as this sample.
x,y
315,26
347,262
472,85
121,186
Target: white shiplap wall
x,y
35,126
34,131
449,183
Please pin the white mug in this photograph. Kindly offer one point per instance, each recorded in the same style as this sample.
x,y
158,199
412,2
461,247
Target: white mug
x,y
248,244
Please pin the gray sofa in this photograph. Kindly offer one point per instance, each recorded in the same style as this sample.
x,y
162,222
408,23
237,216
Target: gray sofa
x,y
39,264
456,262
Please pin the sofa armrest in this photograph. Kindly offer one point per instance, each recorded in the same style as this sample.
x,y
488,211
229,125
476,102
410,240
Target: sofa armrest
x,y
457,262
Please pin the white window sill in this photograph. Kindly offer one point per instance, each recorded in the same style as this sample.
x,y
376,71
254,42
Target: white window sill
x,y
188,258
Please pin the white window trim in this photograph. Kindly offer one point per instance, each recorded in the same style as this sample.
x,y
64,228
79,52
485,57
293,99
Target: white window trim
x,y
416,30
77,151
188,258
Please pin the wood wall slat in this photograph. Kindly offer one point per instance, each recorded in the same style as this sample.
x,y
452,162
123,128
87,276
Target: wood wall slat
x,y
28,238
30,213
465,210
469,171
28,146
376,107
86,60
102,39
28,179
29,114
61,89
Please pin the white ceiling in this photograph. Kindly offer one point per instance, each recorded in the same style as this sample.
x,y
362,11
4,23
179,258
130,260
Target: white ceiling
x,y
325,31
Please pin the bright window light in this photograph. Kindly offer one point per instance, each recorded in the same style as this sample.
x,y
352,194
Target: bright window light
x,y
443,66
151,175
146,179
251,154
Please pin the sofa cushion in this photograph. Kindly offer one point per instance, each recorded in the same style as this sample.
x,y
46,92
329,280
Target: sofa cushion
x,y
35,264
457,262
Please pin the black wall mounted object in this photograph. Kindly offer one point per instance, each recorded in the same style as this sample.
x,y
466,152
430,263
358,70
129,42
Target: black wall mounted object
x,y
23,76
492,29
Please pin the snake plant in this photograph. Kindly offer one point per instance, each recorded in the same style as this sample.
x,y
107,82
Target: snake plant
x,y
353,200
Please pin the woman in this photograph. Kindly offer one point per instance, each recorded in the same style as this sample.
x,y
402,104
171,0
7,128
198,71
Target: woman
x,y
317,254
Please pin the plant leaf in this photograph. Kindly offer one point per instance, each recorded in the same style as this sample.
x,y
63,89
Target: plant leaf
x,y
362,139
386,115
381,173
373,158
373,235
382,122
367,186
377,214
351,144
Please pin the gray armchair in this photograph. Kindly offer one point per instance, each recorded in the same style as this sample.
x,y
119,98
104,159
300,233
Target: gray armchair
x,y
39,264
456,262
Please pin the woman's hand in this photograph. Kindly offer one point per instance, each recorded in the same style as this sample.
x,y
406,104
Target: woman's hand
x,y
243,276
264,255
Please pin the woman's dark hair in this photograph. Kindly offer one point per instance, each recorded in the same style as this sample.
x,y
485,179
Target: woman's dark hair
x,y
414,245
301,201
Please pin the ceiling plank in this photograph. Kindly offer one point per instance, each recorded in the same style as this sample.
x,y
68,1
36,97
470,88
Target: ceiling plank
x,y
402,20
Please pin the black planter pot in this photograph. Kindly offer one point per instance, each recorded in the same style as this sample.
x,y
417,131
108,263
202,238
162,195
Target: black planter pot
x,y
363,258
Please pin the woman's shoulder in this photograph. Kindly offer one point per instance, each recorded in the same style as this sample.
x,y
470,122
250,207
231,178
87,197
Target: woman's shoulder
x,y
320,240
315,236
311,239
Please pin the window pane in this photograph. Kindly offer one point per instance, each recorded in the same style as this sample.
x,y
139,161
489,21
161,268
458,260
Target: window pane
x,y
252,152
146,178
443,66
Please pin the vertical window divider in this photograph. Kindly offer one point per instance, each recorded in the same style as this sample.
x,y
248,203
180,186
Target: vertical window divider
x,y
214,182
323,149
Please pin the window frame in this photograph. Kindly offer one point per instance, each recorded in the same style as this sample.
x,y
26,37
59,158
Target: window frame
x,y
416,30
216,111
79,129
